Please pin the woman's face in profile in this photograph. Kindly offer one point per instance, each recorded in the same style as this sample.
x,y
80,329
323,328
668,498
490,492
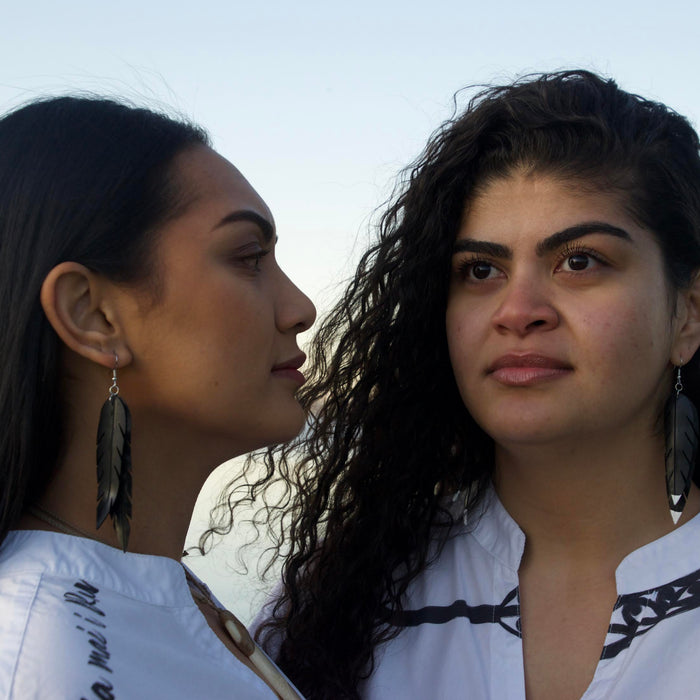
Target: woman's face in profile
x,y
216,353
559,318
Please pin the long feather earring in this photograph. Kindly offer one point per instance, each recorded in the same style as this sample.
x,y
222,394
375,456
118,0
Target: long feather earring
x,y
114,463
681,422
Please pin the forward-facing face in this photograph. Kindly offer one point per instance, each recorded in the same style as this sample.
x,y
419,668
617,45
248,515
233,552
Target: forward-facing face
x,y
215,357
560,321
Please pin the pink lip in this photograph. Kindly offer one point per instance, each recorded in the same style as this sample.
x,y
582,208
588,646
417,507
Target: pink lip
x,y
289,369
526,369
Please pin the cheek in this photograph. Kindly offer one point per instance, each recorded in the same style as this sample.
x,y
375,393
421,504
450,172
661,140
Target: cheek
x,y
463,343
454,328
630,339
467,324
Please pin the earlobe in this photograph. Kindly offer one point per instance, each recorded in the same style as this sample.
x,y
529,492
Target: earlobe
x,y
72,297
688,335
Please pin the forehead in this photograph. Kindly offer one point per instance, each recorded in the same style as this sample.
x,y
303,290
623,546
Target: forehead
x,y
210,183
530,202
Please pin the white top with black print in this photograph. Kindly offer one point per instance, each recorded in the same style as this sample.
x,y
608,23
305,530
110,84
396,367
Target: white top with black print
x,y
79,619
462,622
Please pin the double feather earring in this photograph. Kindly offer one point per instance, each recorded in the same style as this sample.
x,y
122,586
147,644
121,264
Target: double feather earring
x,y
681,427
114,462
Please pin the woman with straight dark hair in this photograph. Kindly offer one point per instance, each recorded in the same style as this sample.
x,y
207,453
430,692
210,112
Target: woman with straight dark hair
x,y
488,504
147,336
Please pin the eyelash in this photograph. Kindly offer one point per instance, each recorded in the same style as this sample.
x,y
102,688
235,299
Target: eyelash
x,y
252,261
466,265
578,249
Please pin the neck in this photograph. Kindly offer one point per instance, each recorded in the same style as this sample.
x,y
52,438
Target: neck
x,y
171,458
166,481
592,501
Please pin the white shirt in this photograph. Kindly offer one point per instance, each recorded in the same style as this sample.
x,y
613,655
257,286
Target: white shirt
x,y
79,619
462,621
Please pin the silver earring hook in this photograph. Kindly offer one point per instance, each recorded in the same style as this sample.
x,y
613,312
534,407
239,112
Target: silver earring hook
x,y
679,384
114,389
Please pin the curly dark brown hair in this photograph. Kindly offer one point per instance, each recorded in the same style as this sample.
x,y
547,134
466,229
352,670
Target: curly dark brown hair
x,y
388,435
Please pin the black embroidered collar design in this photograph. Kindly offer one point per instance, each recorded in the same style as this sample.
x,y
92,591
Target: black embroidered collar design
x,y
637,613
634,614
507,614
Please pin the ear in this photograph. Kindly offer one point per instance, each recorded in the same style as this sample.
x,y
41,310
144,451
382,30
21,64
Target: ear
x,y
687,338
77,304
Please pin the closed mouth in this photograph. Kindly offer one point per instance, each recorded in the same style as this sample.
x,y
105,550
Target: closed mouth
x,y
527,370
293,363
529,360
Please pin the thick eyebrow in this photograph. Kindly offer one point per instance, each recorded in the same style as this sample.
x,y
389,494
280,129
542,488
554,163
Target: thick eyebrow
x,y
547,245
556,240
493,250
268,230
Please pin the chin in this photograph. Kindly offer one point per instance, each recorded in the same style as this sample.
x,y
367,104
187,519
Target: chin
x,y
293,430
529,435
524,432
240,438
287,426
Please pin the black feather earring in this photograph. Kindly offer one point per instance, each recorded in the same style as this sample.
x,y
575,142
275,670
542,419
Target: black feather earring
x,y
681,422
114,462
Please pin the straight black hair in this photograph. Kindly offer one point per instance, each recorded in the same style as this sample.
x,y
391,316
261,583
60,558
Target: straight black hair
x,y
81,179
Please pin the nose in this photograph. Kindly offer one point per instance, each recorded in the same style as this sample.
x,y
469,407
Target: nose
x,y
525,308
294,310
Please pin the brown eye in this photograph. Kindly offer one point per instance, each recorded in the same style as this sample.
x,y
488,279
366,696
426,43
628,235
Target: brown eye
x,y
481,270
474,271
250,261
580,261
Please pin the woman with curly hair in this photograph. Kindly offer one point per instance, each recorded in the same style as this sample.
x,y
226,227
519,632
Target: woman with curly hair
x,y
487,503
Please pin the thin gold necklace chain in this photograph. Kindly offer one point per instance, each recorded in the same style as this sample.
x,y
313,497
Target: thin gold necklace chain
x,y
235,629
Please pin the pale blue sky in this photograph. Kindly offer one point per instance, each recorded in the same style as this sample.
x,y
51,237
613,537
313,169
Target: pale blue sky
x,y
320,103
